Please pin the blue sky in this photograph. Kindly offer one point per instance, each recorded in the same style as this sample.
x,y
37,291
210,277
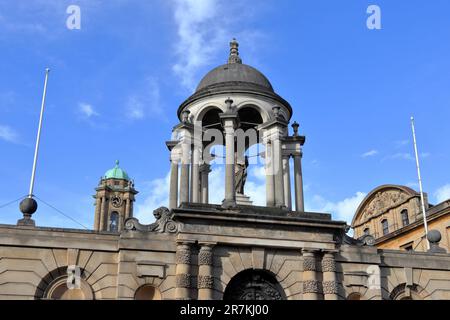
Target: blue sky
x,y
116,84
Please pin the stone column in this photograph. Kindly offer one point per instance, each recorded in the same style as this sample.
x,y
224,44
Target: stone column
x,y
205,169
278,173
184,178
205,272
173,192
104,215
299,202
230,193
127,212
310,282
270,187
287,182
196,174
183,271
98,206
329,284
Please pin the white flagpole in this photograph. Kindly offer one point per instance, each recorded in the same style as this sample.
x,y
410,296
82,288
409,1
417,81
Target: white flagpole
x,y
420,184
38,138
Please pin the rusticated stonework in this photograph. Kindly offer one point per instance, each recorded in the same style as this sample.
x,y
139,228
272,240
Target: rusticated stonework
x,y
310,286
183,257
205,282
309,264
328,264
330,287
205,257
184,280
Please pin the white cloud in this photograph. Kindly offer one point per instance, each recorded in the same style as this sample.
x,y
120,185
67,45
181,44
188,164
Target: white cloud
x,y
204,28
200,31
400,156
8,134
341,210
146,102
87,110
156,193
370,153
401,143
443,193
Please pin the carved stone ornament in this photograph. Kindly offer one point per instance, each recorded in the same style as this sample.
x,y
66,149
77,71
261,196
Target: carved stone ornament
x,y
309,264
183,280
164,223
205,282
330,287
310,286
183,257
328,264
205,257
382,201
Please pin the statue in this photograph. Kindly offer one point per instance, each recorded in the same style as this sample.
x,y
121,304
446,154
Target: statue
x,y
240,175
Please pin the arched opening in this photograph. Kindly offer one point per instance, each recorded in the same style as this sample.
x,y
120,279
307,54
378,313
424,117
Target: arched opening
x,y
405,218
147,292
254,285
354,296
114,221
211,119
402,292
385,226
65,283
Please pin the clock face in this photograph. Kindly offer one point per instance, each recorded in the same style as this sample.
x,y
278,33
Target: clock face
x,y
116,201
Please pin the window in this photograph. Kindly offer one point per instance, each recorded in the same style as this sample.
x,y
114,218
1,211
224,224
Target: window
x,y
366,231
385,225
114,222
405,219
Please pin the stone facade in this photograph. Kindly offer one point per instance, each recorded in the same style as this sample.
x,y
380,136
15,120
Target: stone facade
x,y
299,253
400,208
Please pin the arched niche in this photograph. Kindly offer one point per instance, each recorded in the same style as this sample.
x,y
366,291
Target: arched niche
x,y
354,296
254,284
147,292
401,292
60,285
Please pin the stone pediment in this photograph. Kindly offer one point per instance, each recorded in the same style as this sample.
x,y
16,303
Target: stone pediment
x,y
381,200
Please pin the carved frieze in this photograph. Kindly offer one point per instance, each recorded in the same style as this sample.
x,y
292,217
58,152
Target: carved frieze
x,y
310,286
309,264
382,201
205,282
330,287
328,264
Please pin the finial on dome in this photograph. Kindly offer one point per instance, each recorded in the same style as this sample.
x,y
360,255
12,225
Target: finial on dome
x,y
117,163
234,52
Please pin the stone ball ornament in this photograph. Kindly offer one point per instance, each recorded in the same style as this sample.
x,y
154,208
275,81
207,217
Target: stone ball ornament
x,y
28,206
434,236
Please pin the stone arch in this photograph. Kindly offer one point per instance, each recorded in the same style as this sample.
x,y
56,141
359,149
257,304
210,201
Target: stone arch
x,y
203,110
254,284
355,296
402,292
255,105
147,292
55,285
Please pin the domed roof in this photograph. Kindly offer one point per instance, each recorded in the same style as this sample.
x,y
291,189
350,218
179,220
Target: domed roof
x,y
116,173
235,73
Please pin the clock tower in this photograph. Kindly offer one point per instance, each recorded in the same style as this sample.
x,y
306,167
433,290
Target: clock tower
x,y
114,199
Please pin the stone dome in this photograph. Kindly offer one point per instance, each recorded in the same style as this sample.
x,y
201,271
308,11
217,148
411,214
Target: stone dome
x,y
235,74
116,173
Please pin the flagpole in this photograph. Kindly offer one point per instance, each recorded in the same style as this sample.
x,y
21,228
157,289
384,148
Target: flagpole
x,y
420,183
38,138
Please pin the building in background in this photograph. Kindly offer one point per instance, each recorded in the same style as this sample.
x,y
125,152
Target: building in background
x,y
392,215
